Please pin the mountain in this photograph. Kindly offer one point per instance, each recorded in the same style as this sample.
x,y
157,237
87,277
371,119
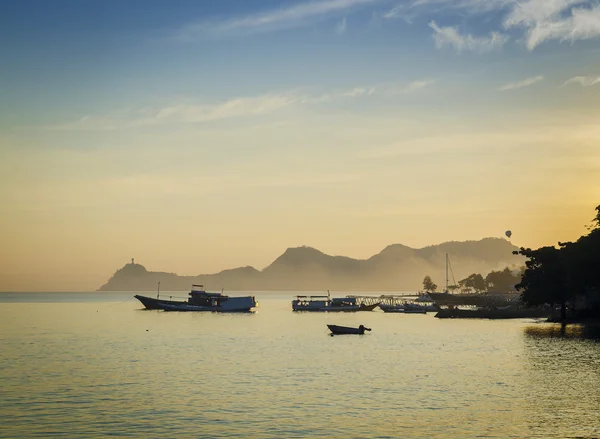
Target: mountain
x,y
397,267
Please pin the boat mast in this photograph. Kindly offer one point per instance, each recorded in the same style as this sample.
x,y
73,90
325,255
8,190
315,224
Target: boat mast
x,y
158,291
446,272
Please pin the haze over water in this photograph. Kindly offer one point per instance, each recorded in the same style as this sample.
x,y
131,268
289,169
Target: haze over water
x,y
96,365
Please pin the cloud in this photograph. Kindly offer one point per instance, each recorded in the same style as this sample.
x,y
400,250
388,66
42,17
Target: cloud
x,y
538,20
450,36
340,28
584,81
531,12
467,6
413,87
545,20
293,16
249,106
395,12
408,11
520,84
237,107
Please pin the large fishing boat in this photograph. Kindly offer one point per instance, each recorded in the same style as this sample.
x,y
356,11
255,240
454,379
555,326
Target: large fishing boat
x,y
200,300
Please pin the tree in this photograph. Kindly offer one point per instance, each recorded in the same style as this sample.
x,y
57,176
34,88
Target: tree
x,y
474,282
453,288
560,275
428,284
502,281
545,278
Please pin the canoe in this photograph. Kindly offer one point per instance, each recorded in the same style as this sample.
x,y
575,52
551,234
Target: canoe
x,y
339,330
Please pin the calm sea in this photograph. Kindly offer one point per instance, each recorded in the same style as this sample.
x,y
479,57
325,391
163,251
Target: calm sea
x,y
87,365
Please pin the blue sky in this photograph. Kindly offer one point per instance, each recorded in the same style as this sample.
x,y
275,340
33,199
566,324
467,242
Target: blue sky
x,y
88,56
378,115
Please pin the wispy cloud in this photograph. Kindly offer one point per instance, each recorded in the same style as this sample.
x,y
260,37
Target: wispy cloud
x,y
238,107
531,12
584,81
294,16
467,6
340,28
546,20
395,12
450,36
520,84
408,10
250,106
539,20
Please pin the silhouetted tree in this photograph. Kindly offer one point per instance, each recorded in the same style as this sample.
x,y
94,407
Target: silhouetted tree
x,y
559,275
428,284
502,281
545,278
474,282
453,288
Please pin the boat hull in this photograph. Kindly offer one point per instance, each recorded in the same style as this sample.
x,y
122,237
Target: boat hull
x,y
517,313
415,311
404,309
341,330
233,304
328,308
392,309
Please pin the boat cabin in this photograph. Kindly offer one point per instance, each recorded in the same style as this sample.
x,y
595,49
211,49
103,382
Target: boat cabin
x,y
199,297
343,301
310,302
324,303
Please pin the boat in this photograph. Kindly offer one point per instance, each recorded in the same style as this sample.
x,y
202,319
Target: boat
x,y
339,330
392,308
404,304
326,303
413,308
405,307
200,300
494,313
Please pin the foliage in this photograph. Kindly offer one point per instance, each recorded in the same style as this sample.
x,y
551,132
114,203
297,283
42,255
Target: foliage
x,y
474,282
502,281
561,275
428,284
453,288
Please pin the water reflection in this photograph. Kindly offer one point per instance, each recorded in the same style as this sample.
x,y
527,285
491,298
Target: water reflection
x,y
576,331
561,380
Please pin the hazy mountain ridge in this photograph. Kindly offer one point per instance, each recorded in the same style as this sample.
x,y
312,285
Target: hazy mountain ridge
x,y
396,267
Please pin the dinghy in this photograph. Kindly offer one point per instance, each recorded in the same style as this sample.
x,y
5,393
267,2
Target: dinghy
x,y
338,330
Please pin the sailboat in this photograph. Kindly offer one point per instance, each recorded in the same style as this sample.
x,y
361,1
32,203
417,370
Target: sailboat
x,y
446,293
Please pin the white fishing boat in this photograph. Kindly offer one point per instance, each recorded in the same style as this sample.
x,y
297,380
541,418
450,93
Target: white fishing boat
x,y
200,300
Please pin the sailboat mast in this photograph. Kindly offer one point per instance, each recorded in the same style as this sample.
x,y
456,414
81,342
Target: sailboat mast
x,y
446,272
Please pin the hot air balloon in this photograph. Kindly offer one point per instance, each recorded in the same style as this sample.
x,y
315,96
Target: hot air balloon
x,y
508,234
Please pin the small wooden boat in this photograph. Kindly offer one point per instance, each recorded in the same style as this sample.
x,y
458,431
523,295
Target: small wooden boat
x,y
339,330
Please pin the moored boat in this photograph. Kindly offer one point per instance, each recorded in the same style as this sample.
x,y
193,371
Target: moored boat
x,y
339,330
405,304
326,303
494,313
200,300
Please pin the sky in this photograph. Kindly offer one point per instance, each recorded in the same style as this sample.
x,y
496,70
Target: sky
x,y
197,136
